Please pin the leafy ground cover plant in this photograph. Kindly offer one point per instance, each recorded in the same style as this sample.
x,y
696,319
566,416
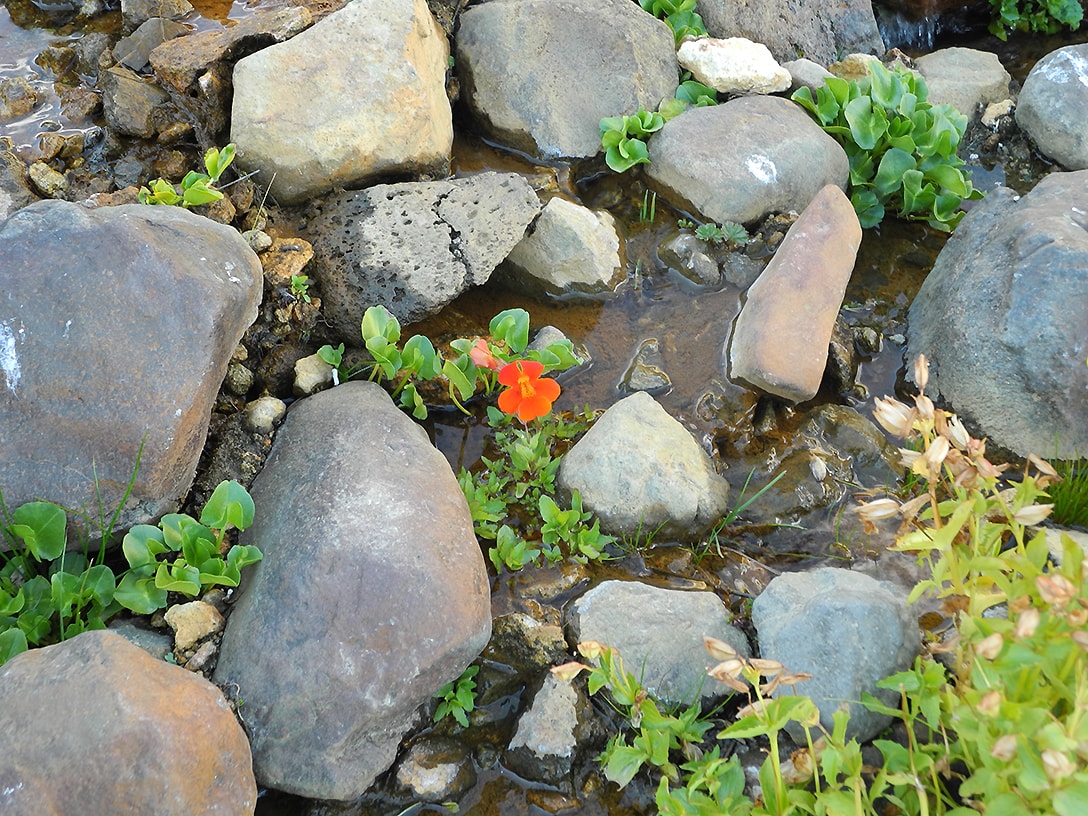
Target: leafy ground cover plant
x,y
902,149
1070,494
458,697
679,15
48,594
513,499
1038,16
1003,731
196,188
474,363
728,232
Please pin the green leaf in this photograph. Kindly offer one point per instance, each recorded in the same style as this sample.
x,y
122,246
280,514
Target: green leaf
x,y
867,124
511,326
41,526
889,174
378,322
331,356
12,642
459,381
197,545
230,505
623,763
138,593
420,357
11,605
141,544
181,578
200,193
241,556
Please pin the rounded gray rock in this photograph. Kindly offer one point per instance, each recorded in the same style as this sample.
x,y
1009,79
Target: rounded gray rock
x,y
1053,104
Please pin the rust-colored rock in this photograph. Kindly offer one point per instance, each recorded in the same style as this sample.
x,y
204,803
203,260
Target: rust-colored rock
x,y
781,337
96,725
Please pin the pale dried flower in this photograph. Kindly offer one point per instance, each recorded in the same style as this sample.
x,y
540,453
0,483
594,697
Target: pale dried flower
x,y
718,649
956,433
1057,765
912,508
921,372
935,455
990,646
766,668
1077,617
592,649
924,405
894,416
756,707
728,672
799,768
1005,748
1080,637
1032,514
990,703
1045,468
1056,590
878,509
1027,623
908,457
568,671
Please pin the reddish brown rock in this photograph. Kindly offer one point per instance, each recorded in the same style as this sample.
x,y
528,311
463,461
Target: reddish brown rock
x,y
781,336
96,725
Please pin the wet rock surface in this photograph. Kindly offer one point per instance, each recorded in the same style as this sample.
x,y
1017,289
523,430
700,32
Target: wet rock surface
x,y
414,247
371,595
1053,103
1005,352
135,730
79,388
744,159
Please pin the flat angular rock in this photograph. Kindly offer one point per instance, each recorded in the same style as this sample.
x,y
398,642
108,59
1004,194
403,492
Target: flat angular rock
x,y
847,630
360,94
639,470
1002,319
546,742
1052,106
414,247
964,78
116,329
372,593
659,634
744,159
733,65
539,75
815,29
569,249
99,726
780,340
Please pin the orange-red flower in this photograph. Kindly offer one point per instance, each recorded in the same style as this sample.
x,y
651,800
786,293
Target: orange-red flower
x,y
527,394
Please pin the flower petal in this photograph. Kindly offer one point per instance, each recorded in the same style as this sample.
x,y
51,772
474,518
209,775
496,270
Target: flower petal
x,y
509,401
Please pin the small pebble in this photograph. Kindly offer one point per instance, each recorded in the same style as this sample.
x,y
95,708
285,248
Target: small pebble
x,y
264,414
312,374
192,622
258,240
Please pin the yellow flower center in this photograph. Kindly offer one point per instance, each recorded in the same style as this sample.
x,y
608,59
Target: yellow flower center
x,y
525,385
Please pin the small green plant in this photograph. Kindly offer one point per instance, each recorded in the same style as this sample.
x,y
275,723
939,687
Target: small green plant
x,y
624,139
196,188
1070,494
649,208
476,362
729,232
48,594
1037,16
300,287
458,697
902,149
513,500
679,15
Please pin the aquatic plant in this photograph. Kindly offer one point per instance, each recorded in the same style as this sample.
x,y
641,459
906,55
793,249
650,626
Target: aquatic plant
x,y
678,15
1037,16
902,149
196,188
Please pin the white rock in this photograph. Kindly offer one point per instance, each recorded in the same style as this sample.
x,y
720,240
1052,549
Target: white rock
x,y
733,65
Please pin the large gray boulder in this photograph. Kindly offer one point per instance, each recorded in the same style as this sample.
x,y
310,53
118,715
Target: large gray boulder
x,y
659,634
1053,106
745,159
641,471
539,75
414,247
816,29
97,725
847,630
1002,319
372,593
360,94
116,328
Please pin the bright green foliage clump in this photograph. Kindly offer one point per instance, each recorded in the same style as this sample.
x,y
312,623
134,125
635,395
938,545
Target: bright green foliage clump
x,y
902,149
624,137
1038,16
1005,732
196,188
679,15
1070,495
458,697
48,594
513,500
417,361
